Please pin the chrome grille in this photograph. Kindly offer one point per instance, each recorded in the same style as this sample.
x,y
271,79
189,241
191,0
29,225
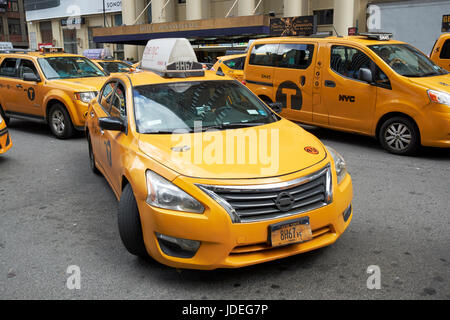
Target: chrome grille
x,y
252,203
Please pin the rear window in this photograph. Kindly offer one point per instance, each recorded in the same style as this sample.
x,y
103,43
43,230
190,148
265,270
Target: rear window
x,y
236,64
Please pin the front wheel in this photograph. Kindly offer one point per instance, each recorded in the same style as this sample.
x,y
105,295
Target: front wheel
x,y
400,136
60,122
130,228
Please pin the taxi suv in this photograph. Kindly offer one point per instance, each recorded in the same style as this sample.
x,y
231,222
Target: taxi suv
x,y
49,86
366,84
173,143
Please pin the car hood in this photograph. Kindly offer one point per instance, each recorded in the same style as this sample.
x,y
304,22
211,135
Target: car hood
x,y
276,149
439,83
81,84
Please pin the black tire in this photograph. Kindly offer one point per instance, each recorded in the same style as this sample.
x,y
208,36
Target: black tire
x,y
5,118
91,156
130,228
59,122
400,135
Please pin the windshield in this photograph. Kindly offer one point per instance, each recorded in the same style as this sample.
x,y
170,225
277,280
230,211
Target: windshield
x,y
407,61
115,66
165,108
69,67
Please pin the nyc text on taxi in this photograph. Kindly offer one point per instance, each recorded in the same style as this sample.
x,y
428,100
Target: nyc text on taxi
x,y
49,86
144,132
366,84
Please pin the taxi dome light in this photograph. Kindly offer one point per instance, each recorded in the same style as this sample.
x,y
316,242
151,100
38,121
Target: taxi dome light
x,y
171,57
51,50
381,36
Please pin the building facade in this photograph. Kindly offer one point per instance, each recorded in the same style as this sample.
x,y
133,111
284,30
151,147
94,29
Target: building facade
x,y
13,26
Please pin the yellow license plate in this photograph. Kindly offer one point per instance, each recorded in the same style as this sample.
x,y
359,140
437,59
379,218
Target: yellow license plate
x,y
289,232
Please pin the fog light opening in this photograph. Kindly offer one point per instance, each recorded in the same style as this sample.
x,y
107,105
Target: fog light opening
x,y
347,213
177,247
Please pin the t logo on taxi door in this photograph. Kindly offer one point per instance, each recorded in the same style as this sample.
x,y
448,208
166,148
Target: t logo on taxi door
x,y
343,97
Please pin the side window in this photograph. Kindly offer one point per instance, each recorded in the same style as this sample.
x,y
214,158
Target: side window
x,y
107,95
296,56
27,66
264,55
118,107
236,64
8,68
347,61
445,52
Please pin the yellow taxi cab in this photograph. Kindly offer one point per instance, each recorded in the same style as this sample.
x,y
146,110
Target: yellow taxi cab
x,y
5,139
49,86
441,51
103,59
232,65
207,175
366,84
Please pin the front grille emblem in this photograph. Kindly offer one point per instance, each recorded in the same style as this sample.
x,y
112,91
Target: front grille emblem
x,y
284,201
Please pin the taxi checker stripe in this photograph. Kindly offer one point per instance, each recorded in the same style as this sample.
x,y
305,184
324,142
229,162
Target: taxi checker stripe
x,y
3,132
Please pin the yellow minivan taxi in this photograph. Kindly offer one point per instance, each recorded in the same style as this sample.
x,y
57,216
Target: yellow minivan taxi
x,y
207,175
366,84
49,86
441,51
232,65
5,139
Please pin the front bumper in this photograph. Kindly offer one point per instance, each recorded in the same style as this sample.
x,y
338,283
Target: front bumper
x,y
435,126
5,140
228,245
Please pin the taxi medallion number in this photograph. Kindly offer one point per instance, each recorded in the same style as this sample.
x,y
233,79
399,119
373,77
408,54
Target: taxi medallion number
x,y
294,231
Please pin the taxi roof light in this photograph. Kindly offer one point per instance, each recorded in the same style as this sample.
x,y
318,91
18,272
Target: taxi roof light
x,y
380,36
172,58
98,54
51,50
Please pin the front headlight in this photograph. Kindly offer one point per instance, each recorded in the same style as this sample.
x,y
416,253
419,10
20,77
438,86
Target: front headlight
x,y
85,97
439,97
339,164
164,194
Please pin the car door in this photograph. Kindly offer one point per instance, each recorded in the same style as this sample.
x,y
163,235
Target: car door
x,y
259,71
29,93
100,110
293,80
113,141
350,102
8,82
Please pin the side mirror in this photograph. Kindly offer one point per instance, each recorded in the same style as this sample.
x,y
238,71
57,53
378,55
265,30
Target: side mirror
x,y
276,107
31,77
365,75
112,124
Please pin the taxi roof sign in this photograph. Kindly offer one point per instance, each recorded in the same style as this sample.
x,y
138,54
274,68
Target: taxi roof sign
x,y
171,57
51,50
6,46
97,54
381,36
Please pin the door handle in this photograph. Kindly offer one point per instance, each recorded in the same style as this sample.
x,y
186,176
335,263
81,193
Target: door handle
x,y
19,86
102,132
92,114
329,83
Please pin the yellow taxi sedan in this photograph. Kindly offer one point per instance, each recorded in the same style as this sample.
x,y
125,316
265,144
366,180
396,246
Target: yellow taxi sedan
x,y
232,65
207,175
5,139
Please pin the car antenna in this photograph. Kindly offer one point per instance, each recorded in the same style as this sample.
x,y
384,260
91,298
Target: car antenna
x,y
337,34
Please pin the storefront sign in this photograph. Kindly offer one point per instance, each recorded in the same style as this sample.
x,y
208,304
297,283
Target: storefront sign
x,y
293,26
446,23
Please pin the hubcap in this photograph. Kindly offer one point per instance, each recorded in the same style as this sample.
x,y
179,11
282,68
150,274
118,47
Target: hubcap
x,y
58,121
398,136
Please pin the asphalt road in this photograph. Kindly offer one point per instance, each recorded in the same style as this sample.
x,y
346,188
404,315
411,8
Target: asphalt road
x,y
54,213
